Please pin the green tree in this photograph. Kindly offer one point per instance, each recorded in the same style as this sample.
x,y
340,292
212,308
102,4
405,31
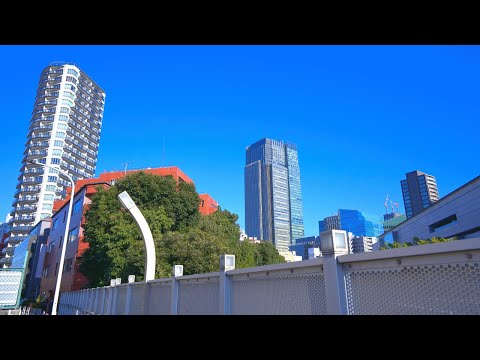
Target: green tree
x,y
417,241
181,235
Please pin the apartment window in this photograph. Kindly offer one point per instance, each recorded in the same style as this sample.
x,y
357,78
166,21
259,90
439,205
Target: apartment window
x,y
48,197
73,234
60,242
57,152
44,215
38,178
52,171
50,188
55,223
67,267
64,110
58,143
45,272
47,207
72,72
52,179
55,161
63,118
77,206
68,94
60,135
67,102
70,87
42,161
61,126
71,79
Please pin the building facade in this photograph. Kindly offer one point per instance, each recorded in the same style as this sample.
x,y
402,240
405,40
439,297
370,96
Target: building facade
x,y
27,257
302,245
419,191
64,134
454,215
273,200
391,222
364,244
360,223
329,223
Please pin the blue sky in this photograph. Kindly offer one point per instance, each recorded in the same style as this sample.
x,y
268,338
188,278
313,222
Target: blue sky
x,y
361,116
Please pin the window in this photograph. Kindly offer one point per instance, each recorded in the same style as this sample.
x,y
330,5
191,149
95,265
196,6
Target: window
x,y
55,223
63,118
58,143
45,272
52,179
68,94
52,171
48,207
448,221
55,161
60,135
57,152
72,72
61,126
60,242
73,234
42,161
67,267
77,206
56,269
48,197
64,110
50,188
44,215
67,102
71,79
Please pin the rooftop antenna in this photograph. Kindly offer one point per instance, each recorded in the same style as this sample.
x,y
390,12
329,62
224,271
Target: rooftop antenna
x,y
386,204
126,164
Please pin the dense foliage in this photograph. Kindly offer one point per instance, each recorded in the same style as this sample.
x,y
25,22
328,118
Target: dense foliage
x,y
181,234
416,241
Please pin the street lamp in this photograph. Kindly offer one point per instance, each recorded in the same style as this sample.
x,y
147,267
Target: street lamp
x,y
65,237
130,205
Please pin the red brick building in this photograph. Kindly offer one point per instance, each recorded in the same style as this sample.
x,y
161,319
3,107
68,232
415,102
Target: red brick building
x,y
72,279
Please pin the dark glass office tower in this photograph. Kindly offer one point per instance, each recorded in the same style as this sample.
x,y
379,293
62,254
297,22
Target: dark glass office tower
x,y
419,191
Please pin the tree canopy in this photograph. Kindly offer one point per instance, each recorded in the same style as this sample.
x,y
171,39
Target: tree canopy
x,y
181,234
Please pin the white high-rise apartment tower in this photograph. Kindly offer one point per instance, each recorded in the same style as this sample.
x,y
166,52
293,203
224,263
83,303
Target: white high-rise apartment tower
x,y
64,133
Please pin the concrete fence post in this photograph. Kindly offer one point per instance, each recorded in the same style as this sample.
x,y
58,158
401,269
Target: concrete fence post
x,y
334,243
176,272
131,279
227,262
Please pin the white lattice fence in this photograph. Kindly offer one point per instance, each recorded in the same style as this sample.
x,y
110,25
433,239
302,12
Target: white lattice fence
x,y
199,295
299,291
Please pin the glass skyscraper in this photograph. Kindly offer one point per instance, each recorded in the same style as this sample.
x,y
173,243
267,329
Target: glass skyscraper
x,y
360,223
273,197
64,134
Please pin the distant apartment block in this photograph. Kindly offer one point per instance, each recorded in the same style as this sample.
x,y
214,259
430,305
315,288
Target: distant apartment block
x,y
273,198
419,191
361,244
64,133
455,215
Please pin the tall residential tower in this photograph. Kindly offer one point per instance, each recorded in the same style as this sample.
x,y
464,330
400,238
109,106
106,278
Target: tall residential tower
x,y
273,196
64,133
419,191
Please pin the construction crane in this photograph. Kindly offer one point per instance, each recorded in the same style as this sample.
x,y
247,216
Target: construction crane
x,y
386,204
392,203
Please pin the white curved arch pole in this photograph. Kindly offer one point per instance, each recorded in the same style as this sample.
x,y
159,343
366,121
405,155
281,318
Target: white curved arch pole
x,y
128,204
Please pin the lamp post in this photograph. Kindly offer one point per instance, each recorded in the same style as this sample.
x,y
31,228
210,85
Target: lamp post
x,y
130,205
65,237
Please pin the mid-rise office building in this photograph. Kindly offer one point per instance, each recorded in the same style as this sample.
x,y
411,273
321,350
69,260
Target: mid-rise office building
x,y
361,244
273,198
419,191
64,134
391,222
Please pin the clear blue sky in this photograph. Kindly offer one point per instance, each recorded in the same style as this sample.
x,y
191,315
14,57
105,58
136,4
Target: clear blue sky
x,y
361,116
